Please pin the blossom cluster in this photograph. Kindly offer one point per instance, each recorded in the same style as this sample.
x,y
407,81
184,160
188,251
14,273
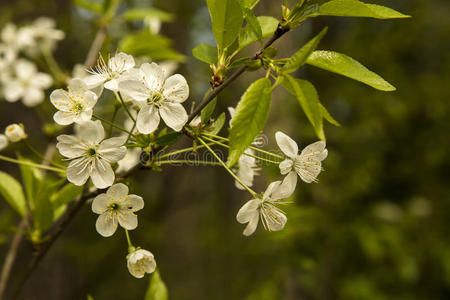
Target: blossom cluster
x,y
20,78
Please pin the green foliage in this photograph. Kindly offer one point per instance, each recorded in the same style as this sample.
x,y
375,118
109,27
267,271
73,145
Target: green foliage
x,y
354,8
64,196
154,46
208,111
347,66
227,19
157,289
41,207
248,3
12,191
299,58
308,99
247,35
218,124
137,14
205,53
92,6
326,115
251,116
253,24
167,139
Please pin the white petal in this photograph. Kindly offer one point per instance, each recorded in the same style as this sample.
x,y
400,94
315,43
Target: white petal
x,y
314,152
274,218
286,144
128,220
77,86
176,89
102,174
25,69
308,170
286,166
13,91
91,132
247,211
60,99
77,171
174,115
117,191
84,116
134,202
69,146
33,97
251,226
286,188
147,119
112,85
100,204
135,89
121,62
270,189
110,151
89,99
42,81
63,118
93,81
3,142
105,225
153,76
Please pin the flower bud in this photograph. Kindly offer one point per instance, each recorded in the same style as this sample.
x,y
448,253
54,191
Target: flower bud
x,y
15,133
140,262
3,142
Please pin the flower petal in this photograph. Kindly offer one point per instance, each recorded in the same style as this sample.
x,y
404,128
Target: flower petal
x,y
77,171
286,166
248,210
153,76
134,202
60,99
251,226
102,174
117,191
314,152
69,146
147,119
121,62
33,97
134,89
63,118
286,144
128,220
176,89
100,204
110,150
174,115
286,188
91,132
106,225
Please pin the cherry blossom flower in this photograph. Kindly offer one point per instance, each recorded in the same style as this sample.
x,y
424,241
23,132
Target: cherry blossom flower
x,y
140,262
15,133
45,34
75,104
157,96
116,207
91,155
307,164
27,84
265,207
107,74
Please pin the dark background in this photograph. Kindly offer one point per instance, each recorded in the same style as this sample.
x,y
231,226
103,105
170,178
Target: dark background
x,y
376,226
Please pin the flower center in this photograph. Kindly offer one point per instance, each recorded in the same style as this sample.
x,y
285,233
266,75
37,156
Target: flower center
x,y
113,206
155,98
91,151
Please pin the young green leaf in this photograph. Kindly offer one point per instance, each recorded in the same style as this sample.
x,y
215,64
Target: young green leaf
x,y
253,24
347,66
268,26
30,180
251,116
227,19
218,124
12,191
355,8
156,290
299,58
308,99
61,198
208,111
248,3
326,115
137,14
42,209
205,53
168,139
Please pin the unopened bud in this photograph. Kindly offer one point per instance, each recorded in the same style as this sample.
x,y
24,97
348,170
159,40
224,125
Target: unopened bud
x,y
15,133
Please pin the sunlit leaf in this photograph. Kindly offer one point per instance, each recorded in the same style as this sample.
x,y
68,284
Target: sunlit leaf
x,y
205,53
157,289
268,26
12,192
136,14
354,8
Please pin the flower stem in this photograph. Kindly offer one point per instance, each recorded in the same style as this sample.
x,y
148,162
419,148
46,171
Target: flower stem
x,y
130,245
182,151
113,118
119,98
194,162
110,123
253,193
27,163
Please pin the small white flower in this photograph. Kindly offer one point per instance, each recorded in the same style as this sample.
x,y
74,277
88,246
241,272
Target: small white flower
x,y
15,133
74,105
45,33
18,39
107,75
308,164
7,56
116,207
3,142
272,218
140,262
27,84
246,169
91,155
158,97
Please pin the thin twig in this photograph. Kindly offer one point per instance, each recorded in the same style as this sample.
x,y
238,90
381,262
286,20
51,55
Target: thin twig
x,y
96,46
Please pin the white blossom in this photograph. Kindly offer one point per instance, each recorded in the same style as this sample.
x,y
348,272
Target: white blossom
x,y
91,155
7,56
116,207
307,164
265,207
3,142
15,133
157,96
140,262
75,104
17,38
45,34
107,74
27,84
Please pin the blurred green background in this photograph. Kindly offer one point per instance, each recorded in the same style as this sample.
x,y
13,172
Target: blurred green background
x,y
375,227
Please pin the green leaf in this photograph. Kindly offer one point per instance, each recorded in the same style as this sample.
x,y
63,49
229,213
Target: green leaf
x,y
253,24
250,117
42,210
308,99
154,46
64,196
156,290
354,8
328,117
299,58
248,3
208,111
12,191
95,7
30,179
168,139
227,19
205,53
137,14
347,66
268,26
218,124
